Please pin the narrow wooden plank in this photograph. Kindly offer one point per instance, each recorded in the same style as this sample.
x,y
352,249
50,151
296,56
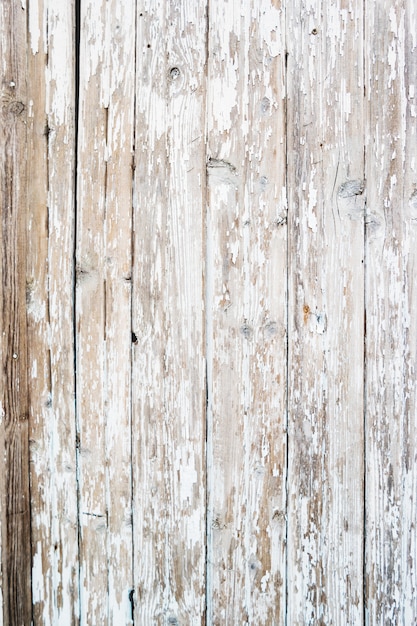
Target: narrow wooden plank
x,y
326,284
168,362
391,325
246,309
14,435
103,256
49,294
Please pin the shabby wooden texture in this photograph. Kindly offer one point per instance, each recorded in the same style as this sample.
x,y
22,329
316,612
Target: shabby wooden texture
x,y
103,309
14,435
209,211
246,313
49,296
168,375
391,323
325,180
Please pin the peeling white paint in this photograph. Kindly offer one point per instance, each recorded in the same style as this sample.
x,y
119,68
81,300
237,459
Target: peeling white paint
x,y
229,317
34,30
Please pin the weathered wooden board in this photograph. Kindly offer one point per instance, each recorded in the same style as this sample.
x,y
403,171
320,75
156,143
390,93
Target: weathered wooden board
x,y
103,309
246,313
49,294
168,374
325,180
15,580
391,323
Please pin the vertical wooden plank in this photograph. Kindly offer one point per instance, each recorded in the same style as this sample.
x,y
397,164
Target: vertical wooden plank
x,y
391,241
14,436
49,295
246,309
103,302
326,284
168,362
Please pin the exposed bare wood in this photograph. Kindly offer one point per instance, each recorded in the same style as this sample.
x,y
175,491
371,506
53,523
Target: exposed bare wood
x,y
246,309
325,386
103,258
168,363
14,436
391,325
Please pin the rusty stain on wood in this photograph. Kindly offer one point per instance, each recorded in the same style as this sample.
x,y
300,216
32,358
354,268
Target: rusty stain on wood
x,y
208,339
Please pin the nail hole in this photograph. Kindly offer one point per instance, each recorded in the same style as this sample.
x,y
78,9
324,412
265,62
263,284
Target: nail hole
x,y
174,73
134,338
314,31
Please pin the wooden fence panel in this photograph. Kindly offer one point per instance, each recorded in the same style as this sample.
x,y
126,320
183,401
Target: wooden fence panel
x,y
246,314
50,308
391,323
168,375
103,309
14,406
208,335
325,385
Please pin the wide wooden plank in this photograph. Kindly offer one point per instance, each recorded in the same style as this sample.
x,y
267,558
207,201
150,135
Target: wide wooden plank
x,y
14,407
50,307
168,380
246,313
325,383
391,324
103,303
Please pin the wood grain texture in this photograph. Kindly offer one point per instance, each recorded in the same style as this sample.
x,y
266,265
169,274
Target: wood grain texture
x,y
103,309
168,376
50,308
208,335
391,238
246,314
14,434
325,386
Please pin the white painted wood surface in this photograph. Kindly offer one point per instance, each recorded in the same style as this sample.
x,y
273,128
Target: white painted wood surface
x,y
49,294
325,179
219,225
391,239
168,373
246,314
103,309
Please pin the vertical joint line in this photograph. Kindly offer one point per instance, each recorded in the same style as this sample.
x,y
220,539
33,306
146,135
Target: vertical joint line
x,y
364,399
286,317
208,330
77,40
27,390
132,595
